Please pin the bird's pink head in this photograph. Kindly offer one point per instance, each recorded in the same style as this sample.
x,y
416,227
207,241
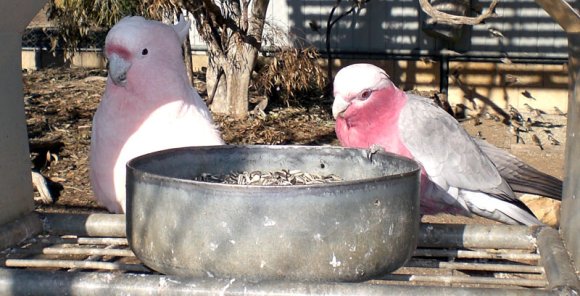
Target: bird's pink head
x,y
361,87
135,46
366,107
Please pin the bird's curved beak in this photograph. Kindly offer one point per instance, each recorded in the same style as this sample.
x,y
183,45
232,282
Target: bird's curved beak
x,y
339,106
118,68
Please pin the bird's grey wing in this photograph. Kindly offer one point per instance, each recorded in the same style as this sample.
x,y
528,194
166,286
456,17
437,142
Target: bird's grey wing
x,y
520,176
448,154
451,158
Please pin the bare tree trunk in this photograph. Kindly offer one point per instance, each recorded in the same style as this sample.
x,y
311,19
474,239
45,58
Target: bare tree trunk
x,y
233,33
231,95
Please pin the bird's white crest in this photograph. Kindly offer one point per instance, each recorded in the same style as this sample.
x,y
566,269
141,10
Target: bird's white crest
x,y
358,77
182,28
352,80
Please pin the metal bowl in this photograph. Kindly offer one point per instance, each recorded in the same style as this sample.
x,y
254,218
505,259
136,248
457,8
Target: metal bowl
x,y
351,230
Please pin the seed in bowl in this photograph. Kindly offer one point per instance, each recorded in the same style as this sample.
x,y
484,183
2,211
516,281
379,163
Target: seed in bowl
x,y
281,177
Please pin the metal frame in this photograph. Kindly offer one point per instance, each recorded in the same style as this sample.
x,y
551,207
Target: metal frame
x,y
44,283
569,19
504,242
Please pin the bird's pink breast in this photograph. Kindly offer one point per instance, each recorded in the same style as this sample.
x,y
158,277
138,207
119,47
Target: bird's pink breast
x,y
354,132
374,124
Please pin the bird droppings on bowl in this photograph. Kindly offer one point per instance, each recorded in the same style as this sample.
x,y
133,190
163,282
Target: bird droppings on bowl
x,y
213,246
318,237
269,222
335,263
277,178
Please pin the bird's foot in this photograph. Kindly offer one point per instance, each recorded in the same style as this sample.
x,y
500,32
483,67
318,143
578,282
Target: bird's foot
x,y
41,186
373,149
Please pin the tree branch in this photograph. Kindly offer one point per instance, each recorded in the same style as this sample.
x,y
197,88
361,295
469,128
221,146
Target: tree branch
x,y
442,17
256,22
211,95
205,24
330,23
244,20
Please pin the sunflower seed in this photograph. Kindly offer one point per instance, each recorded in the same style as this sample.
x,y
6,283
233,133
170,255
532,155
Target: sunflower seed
x,y
281,178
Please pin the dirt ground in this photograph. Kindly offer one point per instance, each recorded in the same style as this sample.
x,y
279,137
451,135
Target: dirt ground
x,y
60,102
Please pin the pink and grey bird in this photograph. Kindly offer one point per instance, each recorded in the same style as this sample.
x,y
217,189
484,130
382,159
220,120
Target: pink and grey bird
x,y
148,104
457,176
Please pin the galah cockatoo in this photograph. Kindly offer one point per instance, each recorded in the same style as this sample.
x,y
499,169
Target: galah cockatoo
x,y
148,104
457,177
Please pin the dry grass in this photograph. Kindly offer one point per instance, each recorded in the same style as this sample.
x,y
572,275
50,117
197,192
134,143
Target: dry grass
x,y
290,73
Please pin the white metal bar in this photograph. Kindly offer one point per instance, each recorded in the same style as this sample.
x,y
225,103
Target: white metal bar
x,y
88,251
44,263
103,241
449,280
474,254
477,266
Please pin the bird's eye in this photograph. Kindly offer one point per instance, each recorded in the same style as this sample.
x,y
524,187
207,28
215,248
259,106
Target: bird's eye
x,y
144,51
366,94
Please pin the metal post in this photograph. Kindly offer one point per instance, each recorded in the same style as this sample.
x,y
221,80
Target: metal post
x,y
569,19
571,201
559,270
15,232
444,75
15,182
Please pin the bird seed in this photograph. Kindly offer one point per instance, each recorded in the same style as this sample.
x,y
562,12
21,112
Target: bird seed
x,y
277,178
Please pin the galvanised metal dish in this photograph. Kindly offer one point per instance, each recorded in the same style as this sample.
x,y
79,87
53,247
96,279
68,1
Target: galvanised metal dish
x,y
351,230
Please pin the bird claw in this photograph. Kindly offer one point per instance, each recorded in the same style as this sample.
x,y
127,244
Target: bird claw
x,y
41,185
372,150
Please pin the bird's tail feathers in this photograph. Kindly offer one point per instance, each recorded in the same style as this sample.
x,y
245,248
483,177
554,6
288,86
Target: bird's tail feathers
x,y
520,176
530,180
502,210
